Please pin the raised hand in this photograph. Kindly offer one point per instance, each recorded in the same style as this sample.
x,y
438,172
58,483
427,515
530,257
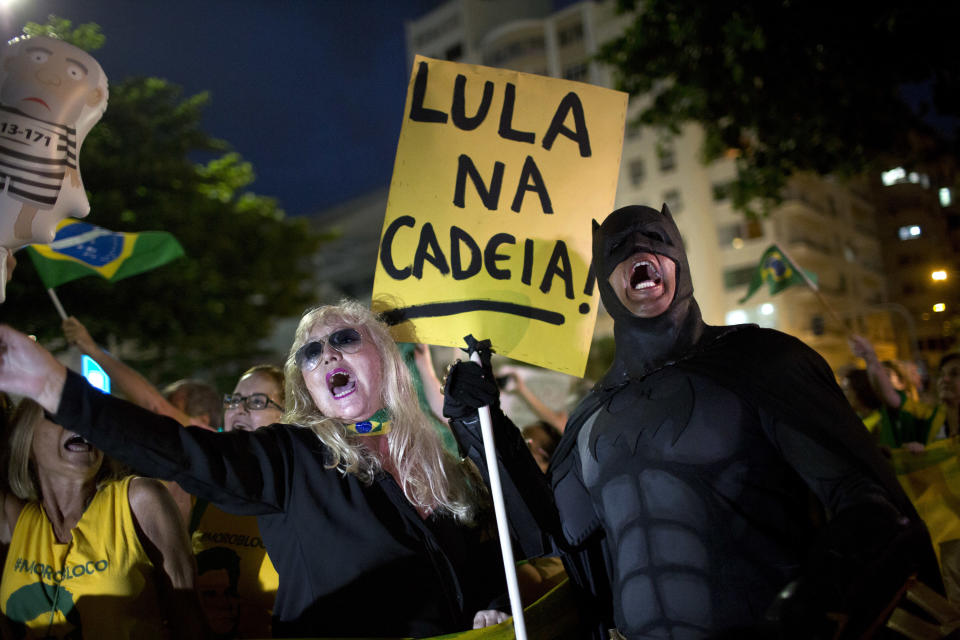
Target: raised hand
x,y
76,333
29,370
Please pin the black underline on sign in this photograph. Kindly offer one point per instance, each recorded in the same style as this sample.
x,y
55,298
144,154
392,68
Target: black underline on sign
x,y
438,309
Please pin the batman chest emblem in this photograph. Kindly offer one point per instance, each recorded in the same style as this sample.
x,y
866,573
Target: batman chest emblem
x,y
656,408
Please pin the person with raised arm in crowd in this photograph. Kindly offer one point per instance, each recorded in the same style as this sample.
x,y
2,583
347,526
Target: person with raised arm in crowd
x,y
905,421
189,402
374,528
511,380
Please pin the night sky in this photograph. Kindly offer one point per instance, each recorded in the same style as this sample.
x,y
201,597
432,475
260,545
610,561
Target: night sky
x,y
310,91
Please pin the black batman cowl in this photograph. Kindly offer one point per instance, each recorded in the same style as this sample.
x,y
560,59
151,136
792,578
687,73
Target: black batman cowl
x,y
645,344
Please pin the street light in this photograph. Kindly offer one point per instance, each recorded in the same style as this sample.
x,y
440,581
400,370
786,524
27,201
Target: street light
x,y
939,275
939,307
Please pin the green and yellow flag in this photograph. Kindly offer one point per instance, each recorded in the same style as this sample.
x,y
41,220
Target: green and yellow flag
x,y
931,480
81,249
779,272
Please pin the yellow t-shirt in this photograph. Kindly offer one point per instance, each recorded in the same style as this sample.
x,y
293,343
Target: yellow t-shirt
x,y
98,585
237,581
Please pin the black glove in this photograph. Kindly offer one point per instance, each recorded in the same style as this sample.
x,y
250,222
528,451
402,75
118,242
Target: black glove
x,y
468,385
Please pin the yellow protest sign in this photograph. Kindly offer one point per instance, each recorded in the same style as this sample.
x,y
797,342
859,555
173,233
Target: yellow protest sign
x,y
487,231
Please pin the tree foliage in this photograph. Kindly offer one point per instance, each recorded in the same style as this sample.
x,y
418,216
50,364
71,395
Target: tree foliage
x,y
246,264
87,36
792,85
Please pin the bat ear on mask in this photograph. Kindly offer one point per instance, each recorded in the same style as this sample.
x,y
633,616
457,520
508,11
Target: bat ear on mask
x,y
665,210
595,225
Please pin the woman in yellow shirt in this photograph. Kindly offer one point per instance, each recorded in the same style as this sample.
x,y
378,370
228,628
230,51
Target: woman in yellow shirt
x,y
90,556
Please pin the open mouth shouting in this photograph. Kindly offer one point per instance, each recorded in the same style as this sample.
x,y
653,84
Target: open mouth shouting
x,y
644,283
341,383
77,444
644,275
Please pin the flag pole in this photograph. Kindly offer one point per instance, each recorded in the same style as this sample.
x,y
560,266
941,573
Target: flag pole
x,y
813,287
56,303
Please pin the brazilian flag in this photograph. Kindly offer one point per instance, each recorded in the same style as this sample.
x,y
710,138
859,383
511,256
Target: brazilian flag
x,y
779,272
81,249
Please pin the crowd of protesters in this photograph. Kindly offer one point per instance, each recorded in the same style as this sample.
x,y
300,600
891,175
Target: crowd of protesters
x,y
328,497
359,498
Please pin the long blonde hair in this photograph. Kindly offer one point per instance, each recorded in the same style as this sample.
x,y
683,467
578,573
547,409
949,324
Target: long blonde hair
x,y
429,475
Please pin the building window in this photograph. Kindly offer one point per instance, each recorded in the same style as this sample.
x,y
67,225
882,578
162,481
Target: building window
x,y
899,175
841,284
734,234
728,233
513,50
454,53
738,276
668,158
576,72
752,229
721,192
571,34
637,172
946,197
909,232
633,131
673,200
437,31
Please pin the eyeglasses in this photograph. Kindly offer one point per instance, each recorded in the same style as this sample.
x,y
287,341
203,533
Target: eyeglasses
x,y
343,340
253,402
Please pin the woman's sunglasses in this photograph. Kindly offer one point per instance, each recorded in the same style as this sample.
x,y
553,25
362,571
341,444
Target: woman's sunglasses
x,y
308,356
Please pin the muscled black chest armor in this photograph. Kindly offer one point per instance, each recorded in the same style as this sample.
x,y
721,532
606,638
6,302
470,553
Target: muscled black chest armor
x,y
702,522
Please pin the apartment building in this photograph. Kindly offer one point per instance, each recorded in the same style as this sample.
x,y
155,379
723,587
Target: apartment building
x,y
919,225
827,228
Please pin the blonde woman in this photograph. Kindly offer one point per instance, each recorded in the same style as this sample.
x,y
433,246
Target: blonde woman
x,y
90,555
375,530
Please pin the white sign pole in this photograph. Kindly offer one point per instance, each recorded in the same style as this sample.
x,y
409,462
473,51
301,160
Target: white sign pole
x,y
509,566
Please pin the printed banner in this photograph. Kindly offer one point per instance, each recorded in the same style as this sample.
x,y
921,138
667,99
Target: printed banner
x,y
487,231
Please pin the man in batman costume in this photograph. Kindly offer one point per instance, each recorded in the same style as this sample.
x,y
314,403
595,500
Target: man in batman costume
x,y
715,483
